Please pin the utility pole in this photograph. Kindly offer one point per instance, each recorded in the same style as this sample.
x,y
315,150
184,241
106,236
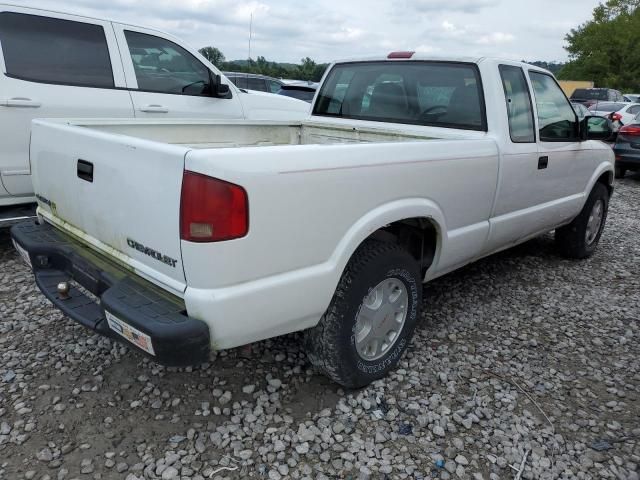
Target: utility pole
x,y
250,31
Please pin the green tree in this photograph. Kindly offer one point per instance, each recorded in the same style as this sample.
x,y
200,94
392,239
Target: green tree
x,y
213,54
606,49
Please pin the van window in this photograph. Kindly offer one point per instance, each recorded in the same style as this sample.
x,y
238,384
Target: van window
x,y
439,94
164,67
51,50
258,84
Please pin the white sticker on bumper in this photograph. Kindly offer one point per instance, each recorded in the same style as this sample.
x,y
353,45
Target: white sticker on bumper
x,y
135,336
23,253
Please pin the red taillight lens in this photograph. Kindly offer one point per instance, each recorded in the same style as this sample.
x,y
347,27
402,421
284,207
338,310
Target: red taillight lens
x,y
630,130
212,210
616,117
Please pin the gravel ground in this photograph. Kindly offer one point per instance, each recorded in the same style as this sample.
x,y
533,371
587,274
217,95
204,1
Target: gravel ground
x,y
523,353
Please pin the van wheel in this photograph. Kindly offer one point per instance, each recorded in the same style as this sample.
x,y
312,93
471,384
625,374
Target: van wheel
x,y
580,238
620,172
371,317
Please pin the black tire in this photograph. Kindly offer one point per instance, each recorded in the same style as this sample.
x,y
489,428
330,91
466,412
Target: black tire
x,y
331,345
620,172
571,239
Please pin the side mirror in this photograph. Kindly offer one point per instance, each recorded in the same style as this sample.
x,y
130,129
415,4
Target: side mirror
x,y
596,128
219,89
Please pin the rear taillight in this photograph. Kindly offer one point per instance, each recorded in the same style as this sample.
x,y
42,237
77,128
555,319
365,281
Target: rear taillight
x,y
616,117
212,210
630,130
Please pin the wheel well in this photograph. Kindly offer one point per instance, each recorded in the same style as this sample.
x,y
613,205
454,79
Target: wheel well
x,y
419,236
607,180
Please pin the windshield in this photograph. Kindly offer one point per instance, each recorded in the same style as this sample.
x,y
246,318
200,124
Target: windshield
x,y
606,107
590,94
437,94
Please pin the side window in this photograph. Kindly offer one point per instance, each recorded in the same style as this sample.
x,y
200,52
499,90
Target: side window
x,y
635,109
519,109
50,50
164,67
273,86
256,84
556,119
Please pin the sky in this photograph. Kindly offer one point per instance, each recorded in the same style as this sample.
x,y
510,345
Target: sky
x,y
325,30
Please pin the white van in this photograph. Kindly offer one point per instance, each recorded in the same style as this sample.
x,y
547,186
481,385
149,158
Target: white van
x,y
60,65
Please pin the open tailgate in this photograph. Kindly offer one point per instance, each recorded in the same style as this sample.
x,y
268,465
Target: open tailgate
x,y
117,193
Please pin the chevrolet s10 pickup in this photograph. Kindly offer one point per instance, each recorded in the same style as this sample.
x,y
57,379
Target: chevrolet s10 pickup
x,y
181,236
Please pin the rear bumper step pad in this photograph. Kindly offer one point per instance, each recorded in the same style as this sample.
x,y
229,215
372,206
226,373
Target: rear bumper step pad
x,y
140,314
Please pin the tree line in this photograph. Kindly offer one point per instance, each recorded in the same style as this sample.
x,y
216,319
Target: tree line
x,y
306,70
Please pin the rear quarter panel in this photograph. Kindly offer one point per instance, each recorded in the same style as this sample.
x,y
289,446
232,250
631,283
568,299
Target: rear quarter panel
x,y
307,202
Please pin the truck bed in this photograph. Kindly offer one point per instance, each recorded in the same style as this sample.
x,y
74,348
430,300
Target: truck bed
x,y
230,134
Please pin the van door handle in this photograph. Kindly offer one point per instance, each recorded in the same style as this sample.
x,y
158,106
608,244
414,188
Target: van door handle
x,y
154,109
22,102
543,162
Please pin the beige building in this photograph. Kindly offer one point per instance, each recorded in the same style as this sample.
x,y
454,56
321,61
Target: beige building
x,y
570,85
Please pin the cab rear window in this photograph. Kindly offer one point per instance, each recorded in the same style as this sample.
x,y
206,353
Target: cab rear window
x,y
440,94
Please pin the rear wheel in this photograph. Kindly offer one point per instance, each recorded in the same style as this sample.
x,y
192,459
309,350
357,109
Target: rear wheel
x,y
371,318
580,238
620,172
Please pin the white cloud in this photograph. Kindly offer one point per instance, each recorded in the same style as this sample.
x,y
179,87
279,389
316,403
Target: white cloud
x,y
288,30
451,30
495,38
427,49
469,6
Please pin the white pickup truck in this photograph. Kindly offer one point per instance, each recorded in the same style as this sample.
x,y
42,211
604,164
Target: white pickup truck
x,y
195,235
55,64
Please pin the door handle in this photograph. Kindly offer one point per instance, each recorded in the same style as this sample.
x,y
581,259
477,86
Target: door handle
x,y
543,162
154,109
22,102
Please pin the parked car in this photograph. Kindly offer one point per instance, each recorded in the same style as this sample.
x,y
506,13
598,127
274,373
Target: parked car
x,y
328,225
580,110
632,97
627,148
252,81
59,65
619,113
301,92
590,96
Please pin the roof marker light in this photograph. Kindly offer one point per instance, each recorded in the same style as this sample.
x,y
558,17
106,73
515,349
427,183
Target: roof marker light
x,y
400,55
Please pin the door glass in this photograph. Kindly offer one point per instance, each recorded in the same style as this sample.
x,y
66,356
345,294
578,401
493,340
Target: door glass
x,y
52,50
273,86
256,84
519,109
557,122
162,66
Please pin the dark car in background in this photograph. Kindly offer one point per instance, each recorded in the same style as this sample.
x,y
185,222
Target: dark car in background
x,y
253,81
591,96
304,92
627,148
